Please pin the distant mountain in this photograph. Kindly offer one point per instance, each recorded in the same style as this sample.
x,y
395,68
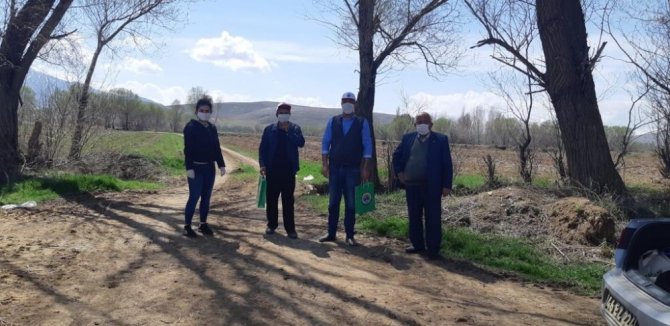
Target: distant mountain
x,y
251,114
237,114
43,85
648,138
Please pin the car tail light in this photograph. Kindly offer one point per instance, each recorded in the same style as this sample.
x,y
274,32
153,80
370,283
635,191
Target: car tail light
x,y
625,237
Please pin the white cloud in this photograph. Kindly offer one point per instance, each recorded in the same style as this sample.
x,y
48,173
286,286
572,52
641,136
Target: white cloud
x,y
231,52
166,95
295,52
451,105
140,65
221,96
154,92
301,100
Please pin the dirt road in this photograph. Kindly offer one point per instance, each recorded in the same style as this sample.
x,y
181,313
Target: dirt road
x,y
120,259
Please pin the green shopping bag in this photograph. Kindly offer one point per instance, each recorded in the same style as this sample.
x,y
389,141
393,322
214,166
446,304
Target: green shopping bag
x,y
365,198
260,194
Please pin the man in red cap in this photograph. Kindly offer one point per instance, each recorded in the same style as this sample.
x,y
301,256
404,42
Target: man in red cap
x,y
279,162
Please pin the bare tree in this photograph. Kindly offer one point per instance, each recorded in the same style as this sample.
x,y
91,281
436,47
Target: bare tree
x,y
109,19
194,94
641,30
25,31
567,76
176,115
392,34
622,145
519,97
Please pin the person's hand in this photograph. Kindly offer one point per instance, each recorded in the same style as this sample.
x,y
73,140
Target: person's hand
x,y
324,170
283,126
190,174
401,177
445,192
365,175
223,170
263,171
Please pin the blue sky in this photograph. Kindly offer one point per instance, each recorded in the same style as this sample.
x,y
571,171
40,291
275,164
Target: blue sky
x,y
257,50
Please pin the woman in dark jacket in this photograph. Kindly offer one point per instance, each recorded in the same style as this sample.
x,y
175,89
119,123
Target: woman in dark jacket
x,y
201,150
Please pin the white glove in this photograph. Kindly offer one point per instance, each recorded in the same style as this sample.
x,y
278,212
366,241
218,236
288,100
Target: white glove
x,y
190,174
223,170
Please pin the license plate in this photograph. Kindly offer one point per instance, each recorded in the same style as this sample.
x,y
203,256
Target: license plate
x,y
617,311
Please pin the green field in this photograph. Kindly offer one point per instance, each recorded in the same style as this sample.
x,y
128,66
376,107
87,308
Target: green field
x,y
166,148
56,185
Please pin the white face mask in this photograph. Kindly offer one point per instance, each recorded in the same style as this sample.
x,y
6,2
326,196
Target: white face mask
x,y
423,129
204,116
348,108
283,117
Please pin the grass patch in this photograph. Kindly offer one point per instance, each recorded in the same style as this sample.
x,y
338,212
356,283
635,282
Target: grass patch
x,y
651,201
470,181
244,151
543,182
515,255
492,251
245,172
166,148
59,185
312,168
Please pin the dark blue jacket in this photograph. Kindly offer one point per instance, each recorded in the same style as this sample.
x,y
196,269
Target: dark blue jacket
x,y
439,170
201,144
268,147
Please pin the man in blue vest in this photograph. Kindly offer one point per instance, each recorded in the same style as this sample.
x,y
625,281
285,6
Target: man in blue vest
x,y
278,159
346,153
422,162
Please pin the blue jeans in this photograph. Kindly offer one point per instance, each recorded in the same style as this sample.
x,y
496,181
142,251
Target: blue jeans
x,y
200,187
342,181
422,206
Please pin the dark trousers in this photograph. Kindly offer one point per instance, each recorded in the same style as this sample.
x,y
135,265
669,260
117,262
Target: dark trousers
x,y
422,206
200,187
280,183
342,181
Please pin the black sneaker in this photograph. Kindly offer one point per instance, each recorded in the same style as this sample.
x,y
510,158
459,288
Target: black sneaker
x,y
327,238
188,231
205,229
433,255
269,231
351,242
413,250
292,235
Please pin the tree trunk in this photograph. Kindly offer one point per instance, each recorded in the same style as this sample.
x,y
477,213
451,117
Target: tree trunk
x,y
572,91
368,74
10,158
34,144
78,137
27,30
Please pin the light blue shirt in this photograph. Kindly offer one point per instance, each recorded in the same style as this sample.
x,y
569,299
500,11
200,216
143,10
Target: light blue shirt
x,y
346,126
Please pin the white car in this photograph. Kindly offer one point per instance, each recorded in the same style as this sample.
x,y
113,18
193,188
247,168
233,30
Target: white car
x,y
636,290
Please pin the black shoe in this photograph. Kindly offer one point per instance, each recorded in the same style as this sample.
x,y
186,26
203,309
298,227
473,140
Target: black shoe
x,y
433,255
269,231
351,242
204,228
327,238
188,231
412,250
292,235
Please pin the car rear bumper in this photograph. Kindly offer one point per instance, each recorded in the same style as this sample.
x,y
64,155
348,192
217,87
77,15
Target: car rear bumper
x,y
646,309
